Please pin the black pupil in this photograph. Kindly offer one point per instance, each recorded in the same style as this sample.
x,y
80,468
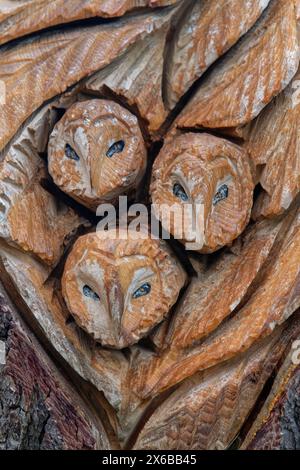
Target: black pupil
x,y
141,291
117,147
179,192
70,153
221,194
88,292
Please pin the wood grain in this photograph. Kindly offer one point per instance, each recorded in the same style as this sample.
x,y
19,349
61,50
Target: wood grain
x,y
208,29
254,71
274,146
24,17
48,65
207,411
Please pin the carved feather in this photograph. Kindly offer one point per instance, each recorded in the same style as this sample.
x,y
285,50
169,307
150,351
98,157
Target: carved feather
x,y
29,216
274,145
250,75
208,29
208,410
20,18
47,66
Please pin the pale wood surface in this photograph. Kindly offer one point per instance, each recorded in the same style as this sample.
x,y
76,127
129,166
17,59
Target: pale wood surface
x,y
93,110
241,84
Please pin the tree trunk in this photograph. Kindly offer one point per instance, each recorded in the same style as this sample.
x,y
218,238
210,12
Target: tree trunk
x,y
110,337
39,408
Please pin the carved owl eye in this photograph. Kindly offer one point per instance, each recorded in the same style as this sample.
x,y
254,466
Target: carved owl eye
x,y
141,291
202,163
179,192
123,271
88,292
221,194
96,152
70,153
117,147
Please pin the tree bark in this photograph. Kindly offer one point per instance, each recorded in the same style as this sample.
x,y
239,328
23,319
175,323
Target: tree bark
x,y
39,409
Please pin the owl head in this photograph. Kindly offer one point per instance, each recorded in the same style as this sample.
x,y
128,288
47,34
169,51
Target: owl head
x,y
96,152
118,289
200,175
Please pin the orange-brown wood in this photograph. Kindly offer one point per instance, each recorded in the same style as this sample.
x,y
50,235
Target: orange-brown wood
x,y
241,84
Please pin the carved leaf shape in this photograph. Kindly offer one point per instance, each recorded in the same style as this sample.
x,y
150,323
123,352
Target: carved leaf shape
x,y
208,410
250,75
129,77
21,18
274,142
36,71
207,31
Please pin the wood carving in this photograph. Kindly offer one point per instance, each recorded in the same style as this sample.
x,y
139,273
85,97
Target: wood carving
x,y
119,289
57,61
61,419
207,411
240,85
208,30
159,344
96,152
277,425
200,169
273,144
25,17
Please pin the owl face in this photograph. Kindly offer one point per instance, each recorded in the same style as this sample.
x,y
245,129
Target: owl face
x,y
118,290
207,177
96,152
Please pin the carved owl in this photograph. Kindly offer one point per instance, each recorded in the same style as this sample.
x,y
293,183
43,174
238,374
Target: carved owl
x,y
119,289
96,152
206,183
191,109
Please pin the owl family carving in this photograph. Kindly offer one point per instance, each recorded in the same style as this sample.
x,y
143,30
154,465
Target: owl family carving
x,y
180,106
